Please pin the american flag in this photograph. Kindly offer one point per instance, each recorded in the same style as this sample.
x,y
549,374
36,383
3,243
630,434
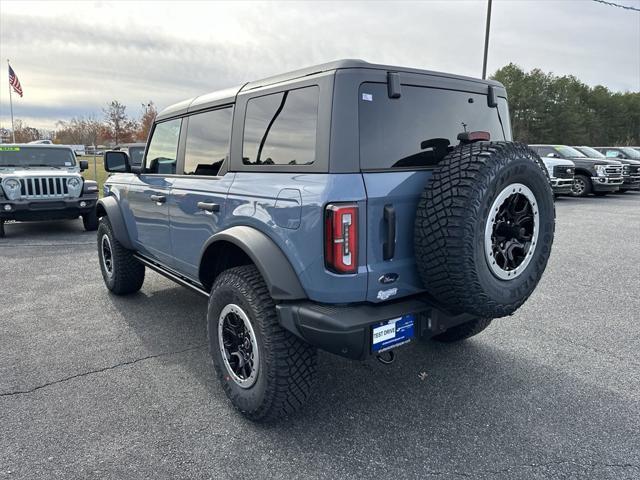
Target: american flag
x,y
14,82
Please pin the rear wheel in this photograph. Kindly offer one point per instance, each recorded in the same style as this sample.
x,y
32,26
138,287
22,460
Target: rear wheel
x,y
465,330
581,186
122,273
484,228
266,371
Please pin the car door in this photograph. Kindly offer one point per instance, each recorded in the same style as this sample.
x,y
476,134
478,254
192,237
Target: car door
x,y
149,192
198,194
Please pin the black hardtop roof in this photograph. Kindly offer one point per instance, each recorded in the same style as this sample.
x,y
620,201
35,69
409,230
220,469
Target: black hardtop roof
x,y
228,95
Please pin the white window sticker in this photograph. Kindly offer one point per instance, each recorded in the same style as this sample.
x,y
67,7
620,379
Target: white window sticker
x,y
367,97
67,164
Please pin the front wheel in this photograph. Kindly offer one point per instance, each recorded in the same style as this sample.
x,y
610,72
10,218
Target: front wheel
x,y
581,186
122,273
266,371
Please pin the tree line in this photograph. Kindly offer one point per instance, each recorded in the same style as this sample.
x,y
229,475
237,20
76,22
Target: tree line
x,y
546,108
115,127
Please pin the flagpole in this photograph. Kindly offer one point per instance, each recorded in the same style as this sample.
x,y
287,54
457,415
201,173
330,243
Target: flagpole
x,y
13,130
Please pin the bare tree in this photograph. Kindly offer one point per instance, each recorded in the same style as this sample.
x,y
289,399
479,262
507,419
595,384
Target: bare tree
x,y
120,127
24,133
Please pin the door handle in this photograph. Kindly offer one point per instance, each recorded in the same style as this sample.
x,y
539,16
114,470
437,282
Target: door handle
x,y
158,198
389,247
209,207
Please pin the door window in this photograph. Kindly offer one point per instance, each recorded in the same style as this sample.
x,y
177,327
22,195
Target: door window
x,y
280,129
163,148
207,142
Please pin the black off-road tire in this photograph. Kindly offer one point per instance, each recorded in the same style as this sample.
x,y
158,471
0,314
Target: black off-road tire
x,y
450,227
90,221
127,274
583,192
465,330
287,365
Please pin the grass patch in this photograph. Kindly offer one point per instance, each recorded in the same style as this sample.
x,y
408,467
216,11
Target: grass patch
x,y
98,174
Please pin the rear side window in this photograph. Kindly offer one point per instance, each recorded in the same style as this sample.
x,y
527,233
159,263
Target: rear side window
x,y
163,148
421,127
280,129
207,142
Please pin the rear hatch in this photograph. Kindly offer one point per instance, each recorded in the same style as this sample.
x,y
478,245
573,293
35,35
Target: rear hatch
x,y
401,141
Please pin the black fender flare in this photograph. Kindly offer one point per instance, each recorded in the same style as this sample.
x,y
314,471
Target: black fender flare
x,y
280,277
108,206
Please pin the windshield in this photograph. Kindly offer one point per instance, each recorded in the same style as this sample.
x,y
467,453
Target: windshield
x,y
36,157
135,155
568,151
631,152
591,152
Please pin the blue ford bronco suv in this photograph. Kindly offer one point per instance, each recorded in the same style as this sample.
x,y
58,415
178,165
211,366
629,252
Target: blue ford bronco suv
x,y
348,206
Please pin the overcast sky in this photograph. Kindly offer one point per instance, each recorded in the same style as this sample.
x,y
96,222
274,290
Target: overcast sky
x,y
72,58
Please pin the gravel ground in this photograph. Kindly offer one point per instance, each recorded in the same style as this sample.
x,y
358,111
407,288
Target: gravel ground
x,y
96,386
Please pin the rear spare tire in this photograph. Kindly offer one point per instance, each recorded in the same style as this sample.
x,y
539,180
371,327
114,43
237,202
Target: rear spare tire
x,y
484,228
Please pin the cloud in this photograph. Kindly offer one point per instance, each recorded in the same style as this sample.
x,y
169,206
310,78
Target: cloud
x,y
72,58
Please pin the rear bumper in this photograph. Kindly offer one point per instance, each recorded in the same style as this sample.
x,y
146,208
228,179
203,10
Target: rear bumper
x,y
28,210
347,330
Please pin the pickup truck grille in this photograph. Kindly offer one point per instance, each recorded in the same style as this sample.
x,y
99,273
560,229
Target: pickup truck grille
x,y
563,171
44,187
613,171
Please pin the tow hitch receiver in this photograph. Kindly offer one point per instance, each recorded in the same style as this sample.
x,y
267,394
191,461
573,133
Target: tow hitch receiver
x,y
386,358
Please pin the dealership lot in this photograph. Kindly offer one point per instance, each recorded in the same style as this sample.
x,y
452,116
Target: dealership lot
x,y
96,386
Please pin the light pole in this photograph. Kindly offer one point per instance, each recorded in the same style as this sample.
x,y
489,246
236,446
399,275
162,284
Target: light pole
x,y
486,41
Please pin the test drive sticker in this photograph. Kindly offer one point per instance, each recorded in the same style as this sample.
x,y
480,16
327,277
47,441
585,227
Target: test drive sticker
x,y
367,97
9,149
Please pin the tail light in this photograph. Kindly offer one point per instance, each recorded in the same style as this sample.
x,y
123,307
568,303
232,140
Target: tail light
x,y
341,238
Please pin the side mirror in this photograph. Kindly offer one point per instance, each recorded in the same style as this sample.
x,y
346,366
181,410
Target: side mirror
x,y
116,162
137,169
620,155
84,165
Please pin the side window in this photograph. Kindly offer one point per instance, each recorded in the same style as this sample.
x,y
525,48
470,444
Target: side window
x,y
543,151
207,142
163,148
280,129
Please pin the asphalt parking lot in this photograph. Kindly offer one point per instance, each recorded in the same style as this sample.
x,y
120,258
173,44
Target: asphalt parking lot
x,y
97,386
